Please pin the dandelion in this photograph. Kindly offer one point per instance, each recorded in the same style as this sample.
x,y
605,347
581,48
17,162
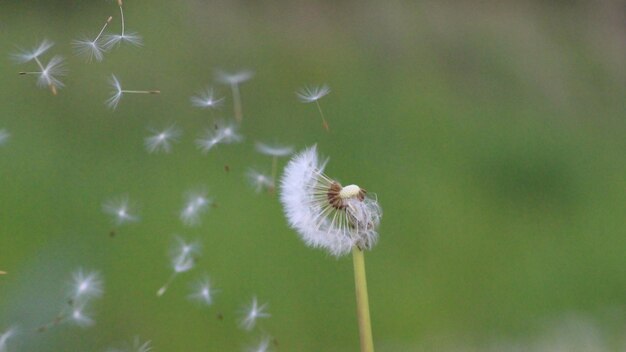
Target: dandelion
x,y
131,38
260,181
4,136
162,140
275,151
253,312
203,292
207,99
182,259
116,94
48,74
233,80
262,346
337,218
85,285
221,134
121,209
196,204
314,94
4,338
91,48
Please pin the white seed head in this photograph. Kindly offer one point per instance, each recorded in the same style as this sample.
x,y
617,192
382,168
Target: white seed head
x,y
234,78
85,285
325,214
48,76
252,313
121,210
183,255
311,94
161,141
221,133
274,150
196,204
207,99
202,291
28,55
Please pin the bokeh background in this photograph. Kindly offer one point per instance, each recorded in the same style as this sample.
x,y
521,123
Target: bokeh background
x,y
493,134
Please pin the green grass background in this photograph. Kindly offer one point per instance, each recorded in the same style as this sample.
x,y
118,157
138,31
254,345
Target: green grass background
x,y
492,134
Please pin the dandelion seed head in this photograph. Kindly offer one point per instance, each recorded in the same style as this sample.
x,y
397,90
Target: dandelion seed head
x,y
86,285
259,180
114,40
323,212
203,292
121,210
273,149
196,204
27,55
183,255
207,99
161,141
252,313
234,78
311,94
48,76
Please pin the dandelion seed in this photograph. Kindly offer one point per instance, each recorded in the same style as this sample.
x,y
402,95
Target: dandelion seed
x,y
325,213
4,338
4,136
80,316
131,38
233,80
203,292
275,151
252,313
28,55
116,94
196,204
91,49
222,134
121,209
85,286
162,140
48,76
262,346
136,346
260,181
207,100
314,94
182,259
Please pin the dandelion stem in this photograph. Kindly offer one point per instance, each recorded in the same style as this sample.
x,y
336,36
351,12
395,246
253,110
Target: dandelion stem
x,y
142,91
324,123
103,28
237,102
362,304
119,2
2,272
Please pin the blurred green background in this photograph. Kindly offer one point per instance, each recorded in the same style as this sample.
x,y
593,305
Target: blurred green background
x,y
493,134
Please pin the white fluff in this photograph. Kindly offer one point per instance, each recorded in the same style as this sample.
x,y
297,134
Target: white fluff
x,y
304,190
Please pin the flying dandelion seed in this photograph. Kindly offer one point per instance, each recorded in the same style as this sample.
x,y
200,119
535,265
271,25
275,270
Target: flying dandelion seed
x,y
207,99
131,38
252,313
325,213
161,141
121,209
85,285
24,56
313,94
223,133
182,259
196,204
262,346
234,80
116,94
275,151
4,136
202,291
4,338
136,346
260,181
48,76
91,49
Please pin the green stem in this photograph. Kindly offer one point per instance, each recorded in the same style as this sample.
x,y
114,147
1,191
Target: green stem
x,y
362,304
